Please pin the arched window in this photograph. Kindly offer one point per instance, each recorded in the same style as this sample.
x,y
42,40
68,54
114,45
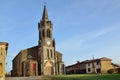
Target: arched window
x,y
43,33
48,33
48,54
51,53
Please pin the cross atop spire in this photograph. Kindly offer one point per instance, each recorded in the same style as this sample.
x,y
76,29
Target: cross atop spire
x,y
45,14
44,3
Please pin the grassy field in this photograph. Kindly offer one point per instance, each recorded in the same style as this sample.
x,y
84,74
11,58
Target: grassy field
x,y
87,77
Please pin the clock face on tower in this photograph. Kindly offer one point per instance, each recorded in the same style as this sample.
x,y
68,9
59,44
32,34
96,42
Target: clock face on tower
x,y
48,42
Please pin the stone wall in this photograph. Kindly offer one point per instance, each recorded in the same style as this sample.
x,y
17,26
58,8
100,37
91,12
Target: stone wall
x,y
3,53
105,66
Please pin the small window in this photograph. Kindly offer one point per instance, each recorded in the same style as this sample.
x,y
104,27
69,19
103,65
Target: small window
x,y
77,67
89,70
51,53
88,64
0,64
98,62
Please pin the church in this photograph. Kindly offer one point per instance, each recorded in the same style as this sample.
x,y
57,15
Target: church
x,y
42,59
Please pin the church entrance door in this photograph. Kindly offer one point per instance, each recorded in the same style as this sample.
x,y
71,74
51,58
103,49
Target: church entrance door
x,y
48,69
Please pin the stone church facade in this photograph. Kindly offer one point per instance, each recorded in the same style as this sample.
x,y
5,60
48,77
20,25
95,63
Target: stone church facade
x,y
42,59
3,53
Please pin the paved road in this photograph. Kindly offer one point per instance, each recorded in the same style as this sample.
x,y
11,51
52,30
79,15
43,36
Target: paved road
x,y
26,78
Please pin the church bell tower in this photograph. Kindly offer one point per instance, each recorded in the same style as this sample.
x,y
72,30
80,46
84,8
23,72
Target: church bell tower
x,y
47,55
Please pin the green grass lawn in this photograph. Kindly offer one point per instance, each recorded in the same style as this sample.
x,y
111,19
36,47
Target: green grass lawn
x,y
86,77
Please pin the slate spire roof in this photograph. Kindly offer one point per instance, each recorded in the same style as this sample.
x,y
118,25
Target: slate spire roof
x,y
45,14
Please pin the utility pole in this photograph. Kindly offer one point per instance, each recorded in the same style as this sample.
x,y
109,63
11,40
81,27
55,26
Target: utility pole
x,y
93,66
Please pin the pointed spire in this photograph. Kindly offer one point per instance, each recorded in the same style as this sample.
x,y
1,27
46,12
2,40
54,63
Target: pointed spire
x,y
45,15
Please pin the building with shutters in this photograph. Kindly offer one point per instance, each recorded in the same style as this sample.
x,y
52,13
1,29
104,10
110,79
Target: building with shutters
x,y
100,65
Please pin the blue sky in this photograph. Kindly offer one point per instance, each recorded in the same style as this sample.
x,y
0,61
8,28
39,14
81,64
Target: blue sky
x,y
82,28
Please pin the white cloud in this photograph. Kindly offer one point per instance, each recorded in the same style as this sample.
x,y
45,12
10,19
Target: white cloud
x,y
77,42
101,32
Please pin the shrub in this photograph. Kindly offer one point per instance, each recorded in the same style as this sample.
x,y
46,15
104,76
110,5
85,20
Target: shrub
x,y
110,71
